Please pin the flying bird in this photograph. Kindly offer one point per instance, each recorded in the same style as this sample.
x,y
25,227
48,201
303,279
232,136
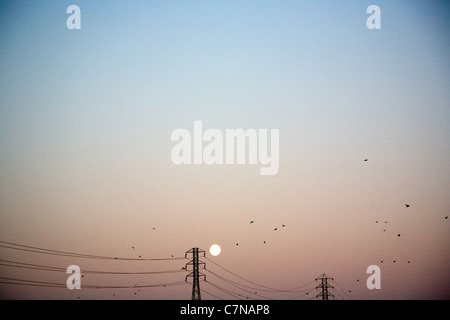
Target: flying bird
x,y
264,241
283,225
237,244
398,235
446,217
252,221
275,229
366,159
406,205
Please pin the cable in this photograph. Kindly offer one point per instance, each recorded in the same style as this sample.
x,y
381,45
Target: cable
x,y
59,269
16,246
348,297
269,289
300,296
250,287
234,284
60,285
203,290
235,295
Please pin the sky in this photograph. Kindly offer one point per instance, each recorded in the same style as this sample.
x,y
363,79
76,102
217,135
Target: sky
x,y
86,118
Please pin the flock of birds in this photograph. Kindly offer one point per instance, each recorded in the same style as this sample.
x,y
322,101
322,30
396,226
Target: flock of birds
x,y
384,230
398,235
264,241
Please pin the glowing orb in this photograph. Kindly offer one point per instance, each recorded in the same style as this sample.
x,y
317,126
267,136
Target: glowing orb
x,y
215,250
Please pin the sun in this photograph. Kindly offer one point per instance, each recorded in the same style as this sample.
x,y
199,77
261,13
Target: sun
x,y
215,250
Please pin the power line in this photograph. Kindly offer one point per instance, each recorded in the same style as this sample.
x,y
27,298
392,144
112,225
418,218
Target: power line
x,y
212,294
234,284
257,288
259,285
231,293
16,264
16,246
240,286
16,281
348,297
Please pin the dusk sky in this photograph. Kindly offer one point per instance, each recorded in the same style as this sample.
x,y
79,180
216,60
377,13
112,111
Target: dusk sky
x,y
86,118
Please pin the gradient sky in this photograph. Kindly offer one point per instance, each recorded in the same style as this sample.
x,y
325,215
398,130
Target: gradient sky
x,y
86,118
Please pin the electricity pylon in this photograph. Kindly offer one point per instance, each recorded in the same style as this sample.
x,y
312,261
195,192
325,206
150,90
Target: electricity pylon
x,y
195,273
324,286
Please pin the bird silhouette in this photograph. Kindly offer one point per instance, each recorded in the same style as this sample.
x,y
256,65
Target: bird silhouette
x,y
398,235
406,205
275,229
252,221
237,244
264,241
283,225
394,261
446,217
366,159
